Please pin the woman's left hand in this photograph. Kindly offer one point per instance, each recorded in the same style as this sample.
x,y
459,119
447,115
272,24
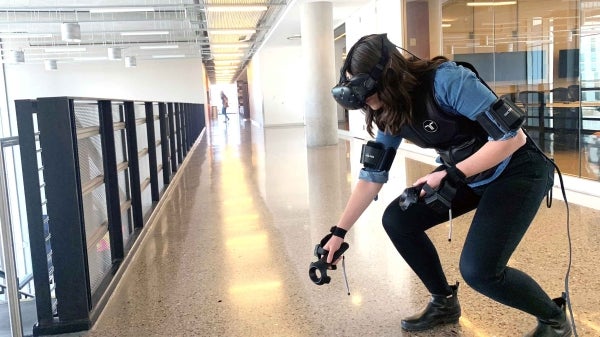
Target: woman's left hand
x,y
433,179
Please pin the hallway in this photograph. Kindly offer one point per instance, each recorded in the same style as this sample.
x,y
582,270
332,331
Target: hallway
x,y
228,251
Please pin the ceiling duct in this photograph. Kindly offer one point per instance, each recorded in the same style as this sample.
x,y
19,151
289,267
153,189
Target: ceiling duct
x,y
130,62
16,56
70,32
115,53
50,65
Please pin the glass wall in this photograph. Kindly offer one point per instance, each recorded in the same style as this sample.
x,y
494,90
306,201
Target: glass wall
x,y
543,56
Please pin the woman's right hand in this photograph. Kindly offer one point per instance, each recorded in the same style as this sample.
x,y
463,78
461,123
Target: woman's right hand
x,y
332,246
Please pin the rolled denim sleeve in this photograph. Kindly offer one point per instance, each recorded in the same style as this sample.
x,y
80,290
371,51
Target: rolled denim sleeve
x,y
373,176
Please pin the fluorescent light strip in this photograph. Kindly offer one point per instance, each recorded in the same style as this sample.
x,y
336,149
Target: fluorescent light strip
x,y
232,31
226,62
169,46
488,4
91,58
145,32
121,9
242,8
64,50
227,55
167,56
229,45
23,35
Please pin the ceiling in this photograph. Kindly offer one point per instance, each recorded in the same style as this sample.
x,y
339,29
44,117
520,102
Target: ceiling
x,y
225,34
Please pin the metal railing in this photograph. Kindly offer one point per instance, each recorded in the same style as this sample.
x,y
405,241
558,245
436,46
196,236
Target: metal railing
x,y
93,170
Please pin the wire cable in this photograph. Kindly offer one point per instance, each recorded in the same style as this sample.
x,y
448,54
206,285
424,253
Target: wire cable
x,y
548,204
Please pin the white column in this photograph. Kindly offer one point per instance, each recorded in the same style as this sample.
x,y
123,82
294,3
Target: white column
x,y
435,28
318,72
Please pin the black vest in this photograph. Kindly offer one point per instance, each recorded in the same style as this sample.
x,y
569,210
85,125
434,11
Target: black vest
x,y
454,137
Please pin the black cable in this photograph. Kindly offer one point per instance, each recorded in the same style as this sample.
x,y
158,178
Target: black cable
x,y
548,204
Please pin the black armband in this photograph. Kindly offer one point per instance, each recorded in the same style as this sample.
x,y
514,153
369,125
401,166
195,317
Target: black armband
x,y
375,156
455,176
502,117
339,232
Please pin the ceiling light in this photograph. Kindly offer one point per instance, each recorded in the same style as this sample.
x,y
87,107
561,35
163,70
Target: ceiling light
x,y
23,35
446,25
130,62
232,31
145,32
227,55
17,56
121,9
115,53
240,8
90,58
168,46
226,62
64,50
70,32
166,56
488,4
50,65
229,45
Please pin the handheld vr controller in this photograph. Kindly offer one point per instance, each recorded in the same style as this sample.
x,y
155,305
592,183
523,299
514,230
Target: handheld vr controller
x,y
318,269
410,196
439,200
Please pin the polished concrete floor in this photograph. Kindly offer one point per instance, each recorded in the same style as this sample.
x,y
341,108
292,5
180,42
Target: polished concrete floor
x,y
228,253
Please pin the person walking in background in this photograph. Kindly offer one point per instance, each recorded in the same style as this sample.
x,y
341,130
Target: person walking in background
x,y
488,165
225,105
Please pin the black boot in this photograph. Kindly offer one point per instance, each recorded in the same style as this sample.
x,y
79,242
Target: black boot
x,y
556,327
440,310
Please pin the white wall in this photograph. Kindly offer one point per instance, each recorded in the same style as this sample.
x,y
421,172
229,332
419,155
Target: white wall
x,y
255,90
376,17
179,80
281,81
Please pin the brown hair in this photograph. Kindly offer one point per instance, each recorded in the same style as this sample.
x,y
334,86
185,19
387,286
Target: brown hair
x,y
398,81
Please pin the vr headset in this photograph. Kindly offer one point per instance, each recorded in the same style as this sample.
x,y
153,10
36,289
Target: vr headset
x,y
352,93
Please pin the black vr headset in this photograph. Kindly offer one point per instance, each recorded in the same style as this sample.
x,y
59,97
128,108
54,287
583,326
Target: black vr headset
x,y
352,93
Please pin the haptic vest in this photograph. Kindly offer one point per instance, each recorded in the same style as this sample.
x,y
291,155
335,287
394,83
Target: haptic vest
x,y
454,137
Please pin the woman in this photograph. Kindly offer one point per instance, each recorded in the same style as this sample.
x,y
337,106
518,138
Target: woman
x,y
225,105
494,169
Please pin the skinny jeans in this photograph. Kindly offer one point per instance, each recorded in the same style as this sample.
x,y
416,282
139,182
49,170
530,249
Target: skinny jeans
x,y
505,208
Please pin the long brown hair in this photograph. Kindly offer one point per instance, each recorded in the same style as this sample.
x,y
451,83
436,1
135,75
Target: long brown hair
x,y
398,81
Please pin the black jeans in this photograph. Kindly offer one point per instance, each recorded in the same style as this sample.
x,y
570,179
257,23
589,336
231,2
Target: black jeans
x,y
504,211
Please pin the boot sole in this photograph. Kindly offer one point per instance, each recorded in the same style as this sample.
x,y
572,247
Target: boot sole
x,y
450,320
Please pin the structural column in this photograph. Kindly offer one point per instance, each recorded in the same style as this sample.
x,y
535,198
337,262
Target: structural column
x,y
319,73
435,28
